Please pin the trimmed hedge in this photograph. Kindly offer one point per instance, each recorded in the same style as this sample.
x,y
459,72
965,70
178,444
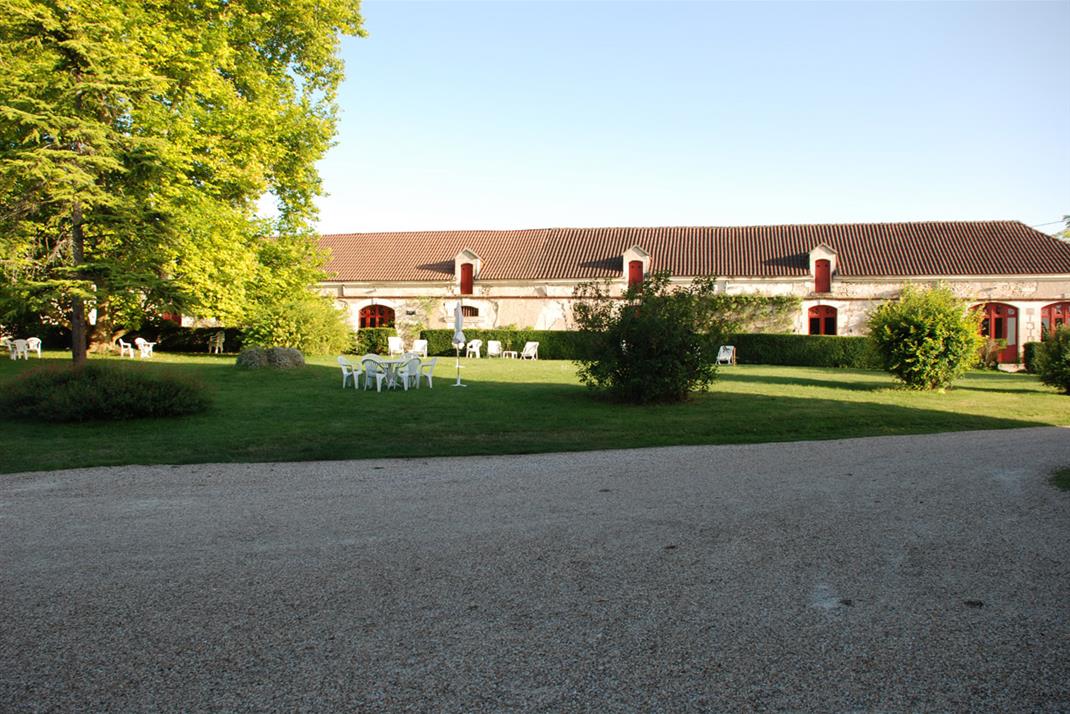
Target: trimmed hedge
x,y
1029,356
806,350
373,340
53,337
553,344
751,348
170,337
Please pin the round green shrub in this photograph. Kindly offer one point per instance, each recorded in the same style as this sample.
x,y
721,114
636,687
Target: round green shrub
x,y
309,323
1052,360
99,392
659,344
926,338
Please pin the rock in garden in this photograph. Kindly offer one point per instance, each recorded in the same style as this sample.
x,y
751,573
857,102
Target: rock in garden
x,y
276,357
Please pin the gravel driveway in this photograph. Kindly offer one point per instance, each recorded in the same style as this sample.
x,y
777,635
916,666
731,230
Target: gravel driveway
x,y
882,574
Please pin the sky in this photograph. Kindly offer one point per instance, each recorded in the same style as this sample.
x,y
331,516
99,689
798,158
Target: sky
x,y
498,115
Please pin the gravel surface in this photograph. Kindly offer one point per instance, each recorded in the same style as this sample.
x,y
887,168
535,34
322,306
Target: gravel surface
x,y
885,574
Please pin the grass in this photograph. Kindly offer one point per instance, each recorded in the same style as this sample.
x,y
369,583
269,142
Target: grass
x,y
509,407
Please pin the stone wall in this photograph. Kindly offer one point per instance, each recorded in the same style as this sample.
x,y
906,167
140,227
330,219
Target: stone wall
x,y
548,306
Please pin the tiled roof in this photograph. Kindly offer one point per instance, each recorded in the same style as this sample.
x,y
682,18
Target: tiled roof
x,y
943,248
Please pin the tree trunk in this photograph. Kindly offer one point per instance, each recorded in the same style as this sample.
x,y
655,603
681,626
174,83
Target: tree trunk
x,y
102,336
78,321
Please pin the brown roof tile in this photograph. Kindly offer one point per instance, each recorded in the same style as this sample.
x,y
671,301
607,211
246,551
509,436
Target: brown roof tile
x,y
863,250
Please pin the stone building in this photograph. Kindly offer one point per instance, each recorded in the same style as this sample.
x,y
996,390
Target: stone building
x,y
1018,276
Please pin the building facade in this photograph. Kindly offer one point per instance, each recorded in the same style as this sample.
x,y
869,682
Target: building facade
x,y
1018,277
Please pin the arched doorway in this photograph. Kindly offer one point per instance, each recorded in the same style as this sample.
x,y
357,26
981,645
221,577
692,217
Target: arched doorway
x,y
822,320
376,316
1000,322
1054,316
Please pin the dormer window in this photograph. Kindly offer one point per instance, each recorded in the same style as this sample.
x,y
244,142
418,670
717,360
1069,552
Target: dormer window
x,y
636,262
823,261
466,266
635,273
467,278
822,276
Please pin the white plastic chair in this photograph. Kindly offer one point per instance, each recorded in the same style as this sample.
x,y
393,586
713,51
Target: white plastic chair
x,y
531,351
373,369
144,347
420,347
494,348
726,355
409,373
395,345
427,370
34,344
19,349
126,349
349,372
215,343
474,346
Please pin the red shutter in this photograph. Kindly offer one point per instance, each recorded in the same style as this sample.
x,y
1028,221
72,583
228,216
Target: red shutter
x,y
466,278
635,273
823,277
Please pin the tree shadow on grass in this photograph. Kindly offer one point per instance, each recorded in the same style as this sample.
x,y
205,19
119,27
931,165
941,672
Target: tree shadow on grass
x,y
834,381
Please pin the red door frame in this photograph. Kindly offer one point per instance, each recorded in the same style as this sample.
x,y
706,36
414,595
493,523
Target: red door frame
x,y
824,318
376,316
996,321
1054,316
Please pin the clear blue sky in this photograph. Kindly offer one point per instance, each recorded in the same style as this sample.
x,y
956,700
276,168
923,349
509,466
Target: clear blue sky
x,y
536,114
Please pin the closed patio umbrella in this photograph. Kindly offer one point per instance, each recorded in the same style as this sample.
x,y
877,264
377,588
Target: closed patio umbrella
x,y
458,339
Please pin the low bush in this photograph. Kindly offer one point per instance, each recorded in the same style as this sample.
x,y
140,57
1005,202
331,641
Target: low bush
x,y
372,340
806,350
1052,360
99,392
988,354
1029,355
270,357
927,338
553,344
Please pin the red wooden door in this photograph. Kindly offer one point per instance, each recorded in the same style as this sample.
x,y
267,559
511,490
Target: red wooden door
x,y
466,278
376,316
635,273
1000,322
822,320
1054,316
822,277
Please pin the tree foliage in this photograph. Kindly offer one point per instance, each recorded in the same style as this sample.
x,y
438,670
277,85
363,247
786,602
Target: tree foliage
x,y
1052,360
926,338
657,344
137,137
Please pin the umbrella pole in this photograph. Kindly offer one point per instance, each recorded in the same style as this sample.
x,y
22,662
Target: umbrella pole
x,y
458,382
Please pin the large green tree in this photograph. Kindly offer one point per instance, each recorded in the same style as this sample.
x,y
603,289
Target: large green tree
x,y
136,138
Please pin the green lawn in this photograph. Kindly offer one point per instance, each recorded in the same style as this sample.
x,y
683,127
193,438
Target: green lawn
x,y
509,406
